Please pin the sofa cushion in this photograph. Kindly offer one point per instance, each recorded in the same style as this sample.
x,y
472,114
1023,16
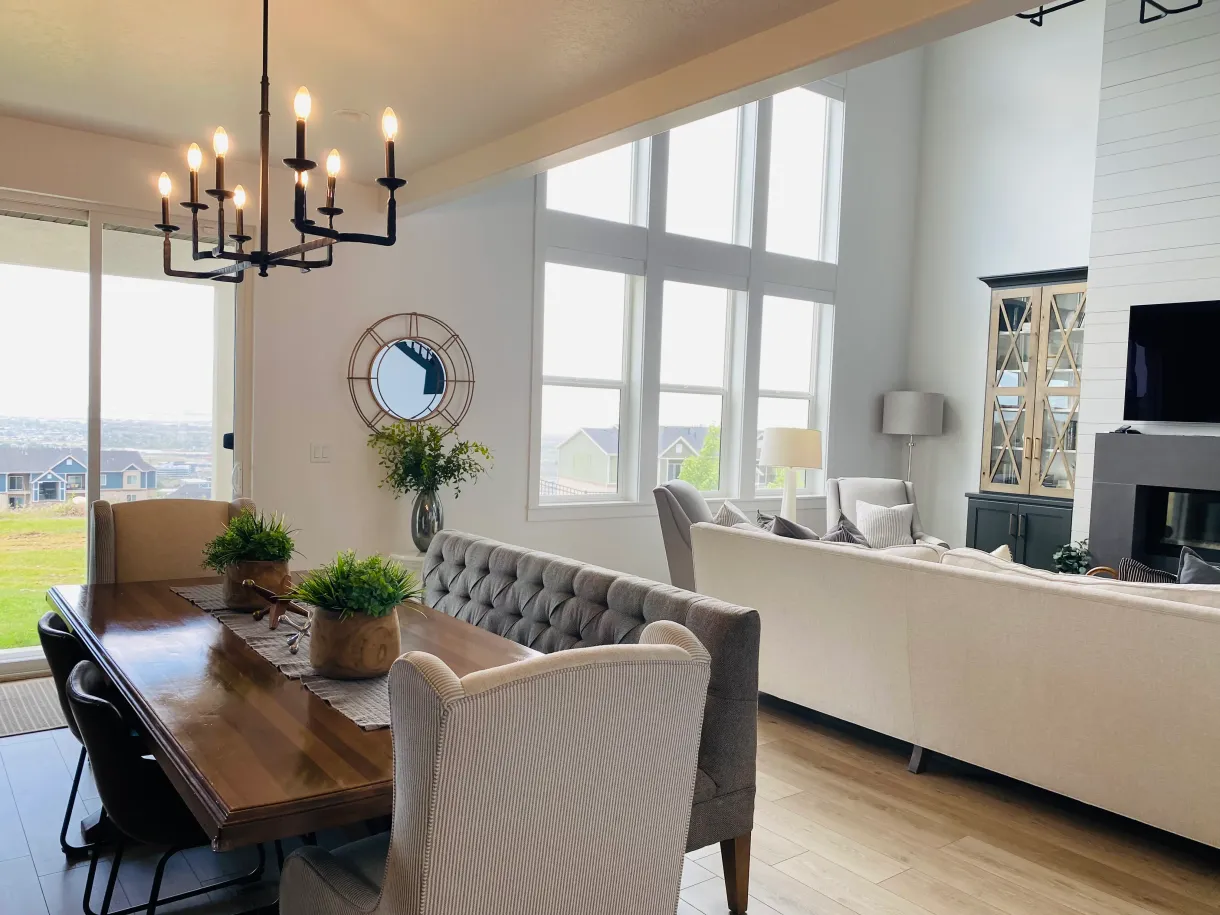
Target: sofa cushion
x,y
884,526
1193,569
785,527
845,532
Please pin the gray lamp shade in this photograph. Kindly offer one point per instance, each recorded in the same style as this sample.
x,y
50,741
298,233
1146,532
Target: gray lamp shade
x,y
913,413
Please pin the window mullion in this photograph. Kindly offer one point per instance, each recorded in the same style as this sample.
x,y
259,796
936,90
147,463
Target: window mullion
x,y
654,280
751,328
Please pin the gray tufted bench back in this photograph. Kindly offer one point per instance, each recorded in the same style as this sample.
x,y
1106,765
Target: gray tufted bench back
x,y
551,604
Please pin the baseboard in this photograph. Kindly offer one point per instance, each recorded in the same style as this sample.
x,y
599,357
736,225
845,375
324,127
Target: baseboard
x,y
22,664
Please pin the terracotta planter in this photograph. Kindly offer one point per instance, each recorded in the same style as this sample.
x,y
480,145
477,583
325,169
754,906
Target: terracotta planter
x,y
355,648
270,575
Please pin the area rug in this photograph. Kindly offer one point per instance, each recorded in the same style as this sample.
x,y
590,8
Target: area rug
x,y
29,705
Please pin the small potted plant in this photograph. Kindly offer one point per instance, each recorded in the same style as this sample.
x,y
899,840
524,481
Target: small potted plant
x,y
354,630
417,459
1072,558
255,547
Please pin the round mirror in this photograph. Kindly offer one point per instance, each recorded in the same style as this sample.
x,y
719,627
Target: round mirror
x,y
408,379
411,367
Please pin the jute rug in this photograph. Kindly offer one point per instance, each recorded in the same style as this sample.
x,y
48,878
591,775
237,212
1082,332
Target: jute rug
x,y
366,702
29,705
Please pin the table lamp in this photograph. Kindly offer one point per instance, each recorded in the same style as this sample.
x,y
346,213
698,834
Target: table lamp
x,y
791,448
912,413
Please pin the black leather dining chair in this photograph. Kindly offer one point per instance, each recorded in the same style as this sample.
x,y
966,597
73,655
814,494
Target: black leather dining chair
x,y
63,651
137,798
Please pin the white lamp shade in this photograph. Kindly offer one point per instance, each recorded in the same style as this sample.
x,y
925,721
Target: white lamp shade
x,y
783,447
913,413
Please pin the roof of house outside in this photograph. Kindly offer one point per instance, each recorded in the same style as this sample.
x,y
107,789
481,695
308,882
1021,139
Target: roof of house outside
x,y
607,438
38,460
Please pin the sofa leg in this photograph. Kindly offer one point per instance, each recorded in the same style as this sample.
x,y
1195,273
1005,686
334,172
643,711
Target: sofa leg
x,y
735,855
919,760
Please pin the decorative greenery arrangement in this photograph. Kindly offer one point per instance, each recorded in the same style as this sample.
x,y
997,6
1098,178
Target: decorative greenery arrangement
x,y
1072,558
373,586
416,458
250,537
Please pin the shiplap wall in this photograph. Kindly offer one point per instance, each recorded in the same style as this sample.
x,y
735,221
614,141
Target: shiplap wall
x,y
1156,201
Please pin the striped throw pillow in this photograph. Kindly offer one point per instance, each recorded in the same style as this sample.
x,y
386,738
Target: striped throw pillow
x,y
729,515
1131,570
883,526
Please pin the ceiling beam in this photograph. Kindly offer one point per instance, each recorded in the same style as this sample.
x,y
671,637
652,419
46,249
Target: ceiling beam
x,y
826,41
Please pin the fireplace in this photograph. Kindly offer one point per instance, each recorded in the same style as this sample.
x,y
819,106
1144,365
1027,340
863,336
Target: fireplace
x,y
1153,495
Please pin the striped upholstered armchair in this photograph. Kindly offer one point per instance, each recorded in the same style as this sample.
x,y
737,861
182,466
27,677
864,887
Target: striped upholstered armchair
x,y
553,786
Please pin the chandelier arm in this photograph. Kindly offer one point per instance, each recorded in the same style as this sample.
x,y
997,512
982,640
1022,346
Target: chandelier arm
x,y
1036,18
361,237
233,274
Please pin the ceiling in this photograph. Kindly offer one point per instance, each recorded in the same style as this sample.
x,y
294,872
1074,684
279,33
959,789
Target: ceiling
x,y
459,73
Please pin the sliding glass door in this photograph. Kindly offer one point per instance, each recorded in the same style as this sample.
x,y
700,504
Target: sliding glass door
x,y
99,347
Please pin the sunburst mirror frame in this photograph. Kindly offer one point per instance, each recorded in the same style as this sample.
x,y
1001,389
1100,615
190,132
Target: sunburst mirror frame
x,y
411,328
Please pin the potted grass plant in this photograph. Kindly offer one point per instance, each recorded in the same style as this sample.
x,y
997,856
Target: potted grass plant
x,y
256,547
418,458
354,632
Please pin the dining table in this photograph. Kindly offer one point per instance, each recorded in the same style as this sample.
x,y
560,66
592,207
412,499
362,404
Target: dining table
x,y
254,754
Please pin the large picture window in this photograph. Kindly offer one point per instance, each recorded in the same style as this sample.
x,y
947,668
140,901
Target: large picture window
x,y
684,304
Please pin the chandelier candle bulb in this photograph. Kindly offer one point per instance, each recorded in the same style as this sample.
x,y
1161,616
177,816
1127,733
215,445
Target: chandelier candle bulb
x,y
239,202
332,172
302,105
194,159
220,145
389,126
165,187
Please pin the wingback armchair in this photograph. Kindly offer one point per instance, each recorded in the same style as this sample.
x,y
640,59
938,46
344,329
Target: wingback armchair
x,y
679,505
843,493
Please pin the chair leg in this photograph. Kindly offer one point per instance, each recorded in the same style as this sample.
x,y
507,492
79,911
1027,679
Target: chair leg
x,y
110,882
735,856
150,907
68,848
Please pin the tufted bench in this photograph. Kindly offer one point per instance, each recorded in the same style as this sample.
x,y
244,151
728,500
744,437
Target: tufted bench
x,y
551,604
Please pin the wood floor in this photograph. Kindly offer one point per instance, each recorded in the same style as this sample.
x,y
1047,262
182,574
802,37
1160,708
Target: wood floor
x,y
841,829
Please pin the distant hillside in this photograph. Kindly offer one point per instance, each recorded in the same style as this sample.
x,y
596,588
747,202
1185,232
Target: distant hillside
x,y
142,435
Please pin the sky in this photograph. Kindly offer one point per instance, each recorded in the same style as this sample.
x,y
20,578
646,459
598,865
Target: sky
x,y
157,346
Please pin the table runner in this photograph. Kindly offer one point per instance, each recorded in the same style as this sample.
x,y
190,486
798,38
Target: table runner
x,y
365,702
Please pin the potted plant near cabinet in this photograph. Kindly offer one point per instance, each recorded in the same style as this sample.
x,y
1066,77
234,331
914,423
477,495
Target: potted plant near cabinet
x,y
354,630
417,458
255,547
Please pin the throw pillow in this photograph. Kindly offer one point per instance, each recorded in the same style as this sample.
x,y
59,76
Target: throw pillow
x,y
729,515
845,532
1131,570
782,527
884,526
1194,570
1002,552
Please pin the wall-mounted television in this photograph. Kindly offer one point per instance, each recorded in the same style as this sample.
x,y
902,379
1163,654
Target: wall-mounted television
x,y
1173,363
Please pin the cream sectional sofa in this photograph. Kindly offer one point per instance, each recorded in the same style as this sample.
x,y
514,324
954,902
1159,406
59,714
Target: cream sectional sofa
x,y
1105,692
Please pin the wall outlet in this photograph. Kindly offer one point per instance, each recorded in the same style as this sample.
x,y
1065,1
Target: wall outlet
x,y
319,453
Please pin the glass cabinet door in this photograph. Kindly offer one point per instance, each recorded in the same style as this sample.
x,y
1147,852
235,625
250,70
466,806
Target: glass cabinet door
x,y
1011,375
1058,397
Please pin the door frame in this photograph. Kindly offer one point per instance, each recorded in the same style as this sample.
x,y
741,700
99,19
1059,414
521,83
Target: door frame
x,y
20,663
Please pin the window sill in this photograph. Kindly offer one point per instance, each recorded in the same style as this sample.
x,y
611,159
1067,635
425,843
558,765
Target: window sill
x,y
592,511
22,663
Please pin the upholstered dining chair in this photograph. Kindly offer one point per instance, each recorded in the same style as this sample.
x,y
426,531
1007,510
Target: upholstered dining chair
x,y
679,505
154,539
557,785
137,797
843,493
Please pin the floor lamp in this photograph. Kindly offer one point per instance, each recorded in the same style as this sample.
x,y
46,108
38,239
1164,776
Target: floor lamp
x,y
912,413
792,449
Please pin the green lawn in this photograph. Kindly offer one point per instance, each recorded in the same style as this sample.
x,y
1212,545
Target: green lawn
x,y
37,550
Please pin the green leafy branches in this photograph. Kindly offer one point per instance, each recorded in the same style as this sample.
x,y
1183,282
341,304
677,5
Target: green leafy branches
x,y
417,458
251,536
373,586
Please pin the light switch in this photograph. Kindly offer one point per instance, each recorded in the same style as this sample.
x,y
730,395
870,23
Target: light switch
x,y
319,453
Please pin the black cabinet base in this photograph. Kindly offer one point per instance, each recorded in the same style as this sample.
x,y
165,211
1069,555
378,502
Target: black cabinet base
x,y
1033,527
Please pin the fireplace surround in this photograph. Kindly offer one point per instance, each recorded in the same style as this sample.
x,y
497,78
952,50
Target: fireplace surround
x,y
1154,494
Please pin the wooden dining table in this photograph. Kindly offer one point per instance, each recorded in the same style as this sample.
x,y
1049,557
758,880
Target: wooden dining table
x,y
255,755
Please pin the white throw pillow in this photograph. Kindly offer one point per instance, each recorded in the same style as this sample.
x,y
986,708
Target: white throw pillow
x,y
1002,552
883,526
729,515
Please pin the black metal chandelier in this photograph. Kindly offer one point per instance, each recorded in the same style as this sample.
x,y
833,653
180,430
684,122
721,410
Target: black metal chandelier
x,y
237,260
1150,10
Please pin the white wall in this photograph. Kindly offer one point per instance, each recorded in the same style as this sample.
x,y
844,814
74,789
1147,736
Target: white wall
x,y
1009,135
1156,222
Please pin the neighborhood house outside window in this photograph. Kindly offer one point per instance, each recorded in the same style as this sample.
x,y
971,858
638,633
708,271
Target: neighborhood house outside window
x,y
686,285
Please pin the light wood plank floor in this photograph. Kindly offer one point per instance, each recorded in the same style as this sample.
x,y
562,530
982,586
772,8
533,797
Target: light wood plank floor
x,y
841,829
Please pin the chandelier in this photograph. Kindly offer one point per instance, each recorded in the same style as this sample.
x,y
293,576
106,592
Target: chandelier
x,y
1150,10
235,260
